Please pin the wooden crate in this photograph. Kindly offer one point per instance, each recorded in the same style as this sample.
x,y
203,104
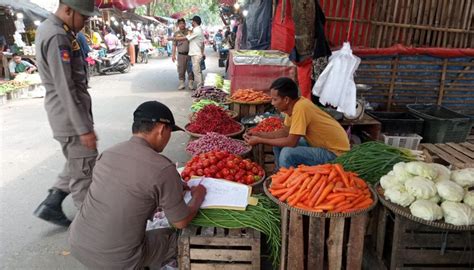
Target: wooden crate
x,y
210,248
459,155
321,243
404,244
366,124
263,155
244,110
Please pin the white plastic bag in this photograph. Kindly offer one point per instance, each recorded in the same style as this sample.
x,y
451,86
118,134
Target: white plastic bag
x,y
335,85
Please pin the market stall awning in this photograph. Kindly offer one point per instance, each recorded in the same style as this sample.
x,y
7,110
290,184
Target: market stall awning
x,y
30,10
121,4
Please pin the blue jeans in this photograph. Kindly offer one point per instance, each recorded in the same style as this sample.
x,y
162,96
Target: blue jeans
x,y
301,154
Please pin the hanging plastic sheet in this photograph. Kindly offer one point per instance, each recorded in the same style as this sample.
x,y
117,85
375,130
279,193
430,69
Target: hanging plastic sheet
x,y
335,85
258,25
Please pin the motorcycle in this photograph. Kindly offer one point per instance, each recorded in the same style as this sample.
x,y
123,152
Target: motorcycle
x,y
116,61
217,44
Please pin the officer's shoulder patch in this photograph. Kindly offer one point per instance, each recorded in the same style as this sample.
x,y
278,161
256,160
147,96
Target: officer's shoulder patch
x,y
65,53
75,45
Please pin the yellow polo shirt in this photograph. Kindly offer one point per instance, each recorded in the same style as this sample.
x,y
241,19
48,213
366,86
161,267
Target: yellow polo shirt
x,y
317,127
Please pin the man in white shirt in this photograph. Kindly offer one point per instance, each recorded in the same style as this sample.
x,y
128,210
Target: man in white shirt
x,y
196,48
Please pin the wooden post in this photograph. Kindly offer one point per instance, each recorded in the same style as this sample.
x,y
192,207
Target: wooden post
x,y
392,82
284,237
334,243
355,247
442,82
296,245
316,243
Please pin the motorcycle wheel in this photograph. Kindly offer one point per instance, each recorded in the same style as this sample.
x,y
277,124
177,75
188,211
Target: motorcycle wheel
x,y
140,58
125,65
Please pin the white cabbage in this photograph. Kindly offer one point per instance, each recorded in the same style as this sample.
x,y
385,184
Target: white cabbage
x,y
457,213
436,198
400,171
420,187
400,197
464,177
450,191
423,169
469,199
426,210
443,172
390,181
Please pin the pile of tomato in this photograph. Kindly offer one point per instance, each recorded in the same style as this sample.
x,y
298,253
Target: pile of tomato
x,y
269,125
223,165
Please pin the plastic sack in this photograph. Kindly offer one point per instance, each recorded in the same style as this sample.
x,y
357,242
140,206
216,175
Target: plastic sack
x,y
335,85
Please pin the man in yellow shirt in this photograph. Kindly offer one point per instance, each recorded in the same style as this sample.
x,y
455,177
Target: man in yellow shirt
x,y
310,136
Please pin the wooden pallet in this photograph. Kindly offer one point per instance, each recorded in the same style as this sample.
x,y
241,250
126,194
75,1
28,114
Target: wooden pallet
x,y
403,244
459,155
210,248
263,155
321,243
244,110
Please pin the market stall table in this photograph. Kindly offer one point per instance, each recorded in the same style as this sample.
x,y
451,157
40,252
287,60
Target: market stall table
x,y
459,155
365,124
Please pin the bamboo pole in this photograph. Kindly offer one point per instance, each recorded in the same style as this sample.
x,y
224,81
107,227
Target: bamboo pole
x,y
443,78
449,23
392,82
431,21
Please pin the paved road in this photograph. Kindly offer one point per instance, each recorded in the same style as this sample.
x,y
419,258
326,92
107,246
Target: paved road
x,y
30,159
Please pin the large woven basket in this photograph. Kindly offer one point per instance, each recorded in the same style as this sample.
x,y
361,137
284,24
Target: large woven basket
x,y
405,212
267,184
249,102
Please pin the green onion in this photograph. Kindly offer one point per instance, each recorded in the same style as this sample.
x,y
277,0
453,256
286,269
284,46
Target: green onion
x,y
373,160
263,217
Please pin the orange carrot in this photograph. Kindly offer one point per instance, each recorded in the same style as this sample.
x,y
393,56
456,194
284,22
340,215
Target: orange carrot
x,y
347,194
336,200
297,180
278,192
342,173
288,193
283,177
325,193
339,184
363,204
359,182
324,207
318,193
307,208
316,187
332,174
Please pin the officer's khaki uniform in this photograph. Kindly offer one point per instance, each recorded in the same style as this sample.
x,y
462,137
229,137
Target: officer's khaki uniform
x,y
130,181
182,47
67,102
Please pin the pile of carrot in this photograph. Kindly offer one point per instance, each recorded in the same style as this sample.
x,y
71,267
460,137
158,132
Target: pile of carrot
x,y
321,188
250,95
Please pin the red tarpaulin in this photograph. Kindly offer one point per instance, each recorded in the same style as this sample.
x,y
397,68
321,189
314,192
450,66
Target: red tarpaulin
x,y
403,50
121,4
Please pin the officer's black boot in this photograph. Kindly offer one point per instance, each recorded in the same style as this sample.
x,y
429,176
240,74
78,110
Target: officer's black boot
x,y
51,210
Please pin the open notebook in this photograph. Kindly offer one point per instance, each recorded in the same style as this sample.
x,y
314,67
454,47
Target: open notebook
x,y
222,194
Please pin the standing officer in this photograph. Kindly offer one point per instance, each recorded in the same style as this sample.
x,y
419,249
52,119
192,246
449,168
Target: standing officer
x,y
184,59
130,180
68,104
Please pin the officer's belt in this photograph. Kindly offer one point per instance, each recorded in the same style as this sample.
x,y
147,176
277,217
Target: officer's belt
x,y
183,53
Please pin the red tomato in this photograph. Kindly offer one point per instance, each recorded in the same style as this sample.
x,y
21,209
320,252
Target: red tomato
x,y
218,175
242,165
225,172
206,163
230,164
220,165
255,170
230,177
200,172
207,171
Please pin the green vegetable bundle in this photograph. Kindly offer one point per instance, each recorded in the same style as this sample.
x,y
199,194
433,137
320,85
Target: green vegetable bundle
x,y
197,106
264,217
372,160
